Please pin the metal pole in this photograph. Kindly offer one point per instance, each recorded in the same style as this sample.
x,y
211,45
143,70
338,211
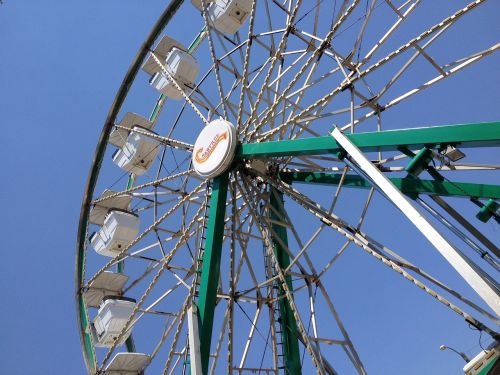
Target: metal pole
x,y
291,353
210,271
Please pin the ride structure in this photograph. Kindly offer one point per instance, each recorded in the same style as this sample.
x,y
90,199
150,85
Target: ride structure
x,y
216,256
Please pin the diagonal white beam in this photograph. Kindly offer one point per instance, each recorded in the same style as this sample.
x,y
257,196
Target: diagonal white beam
x,y
471,275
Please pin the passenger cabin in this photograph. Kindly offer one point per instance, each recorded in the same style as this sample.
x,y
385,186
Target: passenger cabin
x,y
119,229
226,16
119,136
181,66
101,209
106,284
138,152
111,318
128,364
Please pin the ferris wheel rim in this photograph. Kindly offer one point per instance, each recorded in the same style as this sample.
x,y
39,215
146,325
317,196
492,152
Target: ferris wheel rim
x,y
115,107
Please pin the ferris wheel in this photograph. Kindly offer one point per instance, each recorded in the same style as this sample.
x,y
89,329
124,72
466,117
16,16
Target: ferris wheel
x,y
242,162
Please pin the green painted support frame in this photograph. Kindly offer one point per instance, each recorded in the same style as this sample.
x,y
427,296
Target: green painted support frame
x,y
209,280
409,186
291,353
468,135
486,134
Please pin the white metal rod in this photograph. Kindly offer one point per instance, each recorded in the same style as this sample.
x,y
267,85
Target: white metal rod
x,y
194,341
471,276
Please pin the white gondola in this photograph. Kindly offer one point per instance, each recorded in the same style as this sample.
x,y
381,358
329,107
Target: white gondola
x,y
118,136
138,152
128,364
106,284
227,16
179,64
119,229
111,318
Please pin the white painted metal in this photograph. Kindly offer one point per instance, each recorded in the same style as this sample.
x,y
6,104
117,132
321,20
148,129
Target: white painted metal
x,y
111,319
483,288
120,228
194,340
138,152
128,363
106,284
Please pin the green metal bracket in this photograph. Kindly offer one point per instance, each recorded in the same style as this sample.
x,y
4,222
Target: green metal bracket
x,y
211,266
420,162
484,134
409,186
488,210
291,353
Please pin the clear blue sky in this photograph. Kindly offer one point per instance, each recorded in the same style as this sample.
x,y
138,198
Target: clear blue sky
x,y
60,65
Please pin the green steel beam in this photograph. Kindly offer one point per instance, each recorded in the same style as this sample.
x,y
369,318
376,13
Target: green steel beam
x,y
409,186
289,333
484,134
211,266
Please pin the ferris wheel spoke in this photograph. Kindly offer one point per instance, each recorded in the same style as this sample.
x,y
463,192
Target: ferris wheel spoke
x,y
173,352
178,87
246,62
353,78
273,62
357,44
212,54
391,256
168,328
149,309
311,60
289,70
145,232
372,247
220,339
261,225
165,263
464,63
402,15
142,186
166,141
348,345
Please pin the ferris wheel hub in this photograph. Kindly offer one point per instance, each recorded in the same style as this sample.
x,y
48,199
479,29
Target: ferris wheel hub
x,y
214,148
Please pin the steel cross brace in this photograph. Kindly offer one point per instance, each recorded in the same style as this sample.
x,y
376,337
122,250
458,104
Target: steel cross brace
x,y
483,286
409,186
486,134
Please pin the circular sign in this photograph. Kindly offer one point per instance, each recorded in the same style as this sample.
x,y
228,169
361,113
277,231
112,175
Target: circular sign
x,y
214,148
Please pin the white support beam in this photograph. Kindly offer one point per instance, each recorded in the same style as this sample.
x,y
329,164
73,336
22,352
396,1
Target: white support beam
x,y
194,341
486,291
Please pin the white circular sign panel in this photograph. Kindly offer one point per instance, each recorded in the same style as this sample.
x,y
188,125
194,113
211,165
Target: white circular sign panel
x,y
214,148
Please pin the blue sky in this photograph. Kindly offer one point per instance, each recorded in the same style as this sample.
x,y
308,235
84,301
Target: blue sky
x,y
60,66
